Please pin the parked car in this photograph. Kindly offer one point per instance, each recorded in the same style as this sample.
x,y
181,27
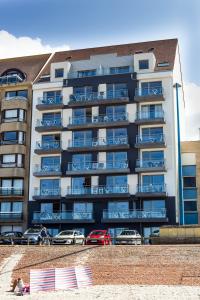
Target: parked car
x,y
155,233
68,237
35,235
128,237
10,237
99,237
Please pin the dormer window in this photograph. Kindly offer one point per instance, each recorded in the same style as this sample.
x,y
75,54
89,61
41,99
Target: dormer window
x,y
144,64
59,73
12,76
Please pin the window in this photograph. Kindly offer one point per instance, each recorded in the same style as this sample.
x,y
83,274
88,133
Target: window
x,y
154,205
86,73
13,137
116,181
82,138
12,160
153,155
119,70
190,193
151,111
81,161
20,93
143,64
189,170
8,158
59,73
51,138
153,179
116,159
50,161
51,119
189,182
118,90
12,115
120,206
12,186
50,187
85,207
151,88
152,131
116,113
10,136
52,97
190,206
117,135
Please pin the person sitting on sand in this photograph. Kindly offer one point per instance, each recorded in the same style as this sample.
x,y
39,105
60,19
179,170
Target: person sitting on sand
x,y
18,283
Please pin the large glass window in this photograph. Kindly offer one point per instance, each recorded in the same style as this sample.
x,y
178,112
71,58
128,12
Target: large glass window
x,y
116,181
10,136
116,113
117,90
116,159
81,161
190,205
49,119
119,206
49,186
152,131
151,88
153,180
152,155
21,93
82,138
50,163
117,135
154,205
51,141
151,111
189,170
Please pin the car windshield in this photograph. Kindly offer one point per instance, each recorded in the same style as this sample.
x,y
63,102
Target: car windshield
x,y
128,232
32,231
66,233
98,232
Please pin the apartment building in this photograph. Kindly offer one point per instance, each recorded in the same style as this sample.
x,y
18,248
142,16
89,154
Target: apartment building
x,y
191,181
104,139
16,78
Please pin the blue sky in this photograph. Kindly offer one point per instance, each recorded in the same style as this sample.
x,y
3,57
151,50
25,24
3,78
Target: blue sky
x,y
87,23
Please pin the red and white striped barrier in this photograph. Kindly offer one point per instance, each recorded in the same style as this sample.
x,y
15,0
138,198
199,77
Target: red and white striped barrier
x,y
59,279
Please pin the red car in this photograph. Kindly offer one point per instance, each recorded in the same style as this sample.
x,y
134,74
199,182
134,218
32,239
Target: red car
x,y
99,237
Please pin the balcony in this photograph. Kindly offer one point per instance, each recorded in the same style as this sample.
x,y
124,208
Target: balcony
x,y
98,191
100,72
11,191
47,170
12,170
149,117
97,168
150,166
52,147
98,144
63,217
49,194
151,190
134,216
149,94
10,79
11,217
96,98
48,125
50,103
99,121
150,141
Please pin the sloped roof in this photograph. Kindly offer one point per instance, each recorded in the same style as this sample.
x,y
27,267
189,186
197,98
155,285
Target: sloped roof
x,y
30,65
164,51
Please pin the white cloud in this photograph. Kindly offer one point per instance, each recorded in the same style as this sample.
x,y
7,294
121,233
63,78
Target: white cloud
x,y
11,46
192,111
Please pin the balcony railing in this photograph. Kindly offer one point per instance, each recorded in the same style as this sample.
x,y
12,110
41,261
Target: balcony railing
x,y
148,92
99,72
86,166
64,215
99,96
150,164
98,190
49,123
48,145
10,79
11,165
50,100
11,191
152,138
11,142
134,214
141,115
45,169
4,216
46,192
152,188
98,119
98,142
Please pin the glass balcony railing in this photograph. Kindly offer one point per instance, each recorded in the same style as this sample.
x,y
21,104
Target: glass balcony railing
x,y
10,79
152,188
150,164
49,123
11,165
11,142
51,145
149,115
98,190
64,215
47,192
98,119
51,168
99,72
152,138
134,214
99,96
98,142
4,216
86,166
148,92
11,191
50,100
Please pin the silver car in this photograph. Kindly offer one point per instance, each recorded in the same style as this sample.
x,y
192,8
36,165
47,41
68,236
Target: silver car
x,y
128,237
68,237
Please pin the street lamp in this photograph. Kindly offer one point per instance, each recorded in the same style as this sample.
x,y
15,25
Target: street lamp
x,y
180,183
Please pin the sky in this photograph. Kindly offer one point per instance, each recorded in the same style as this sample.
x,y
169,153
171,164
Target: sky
x,y
39,26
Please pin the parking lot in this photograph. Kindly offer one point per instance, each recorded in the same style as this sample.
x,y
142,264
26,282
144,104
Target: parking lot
x,y
170,265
